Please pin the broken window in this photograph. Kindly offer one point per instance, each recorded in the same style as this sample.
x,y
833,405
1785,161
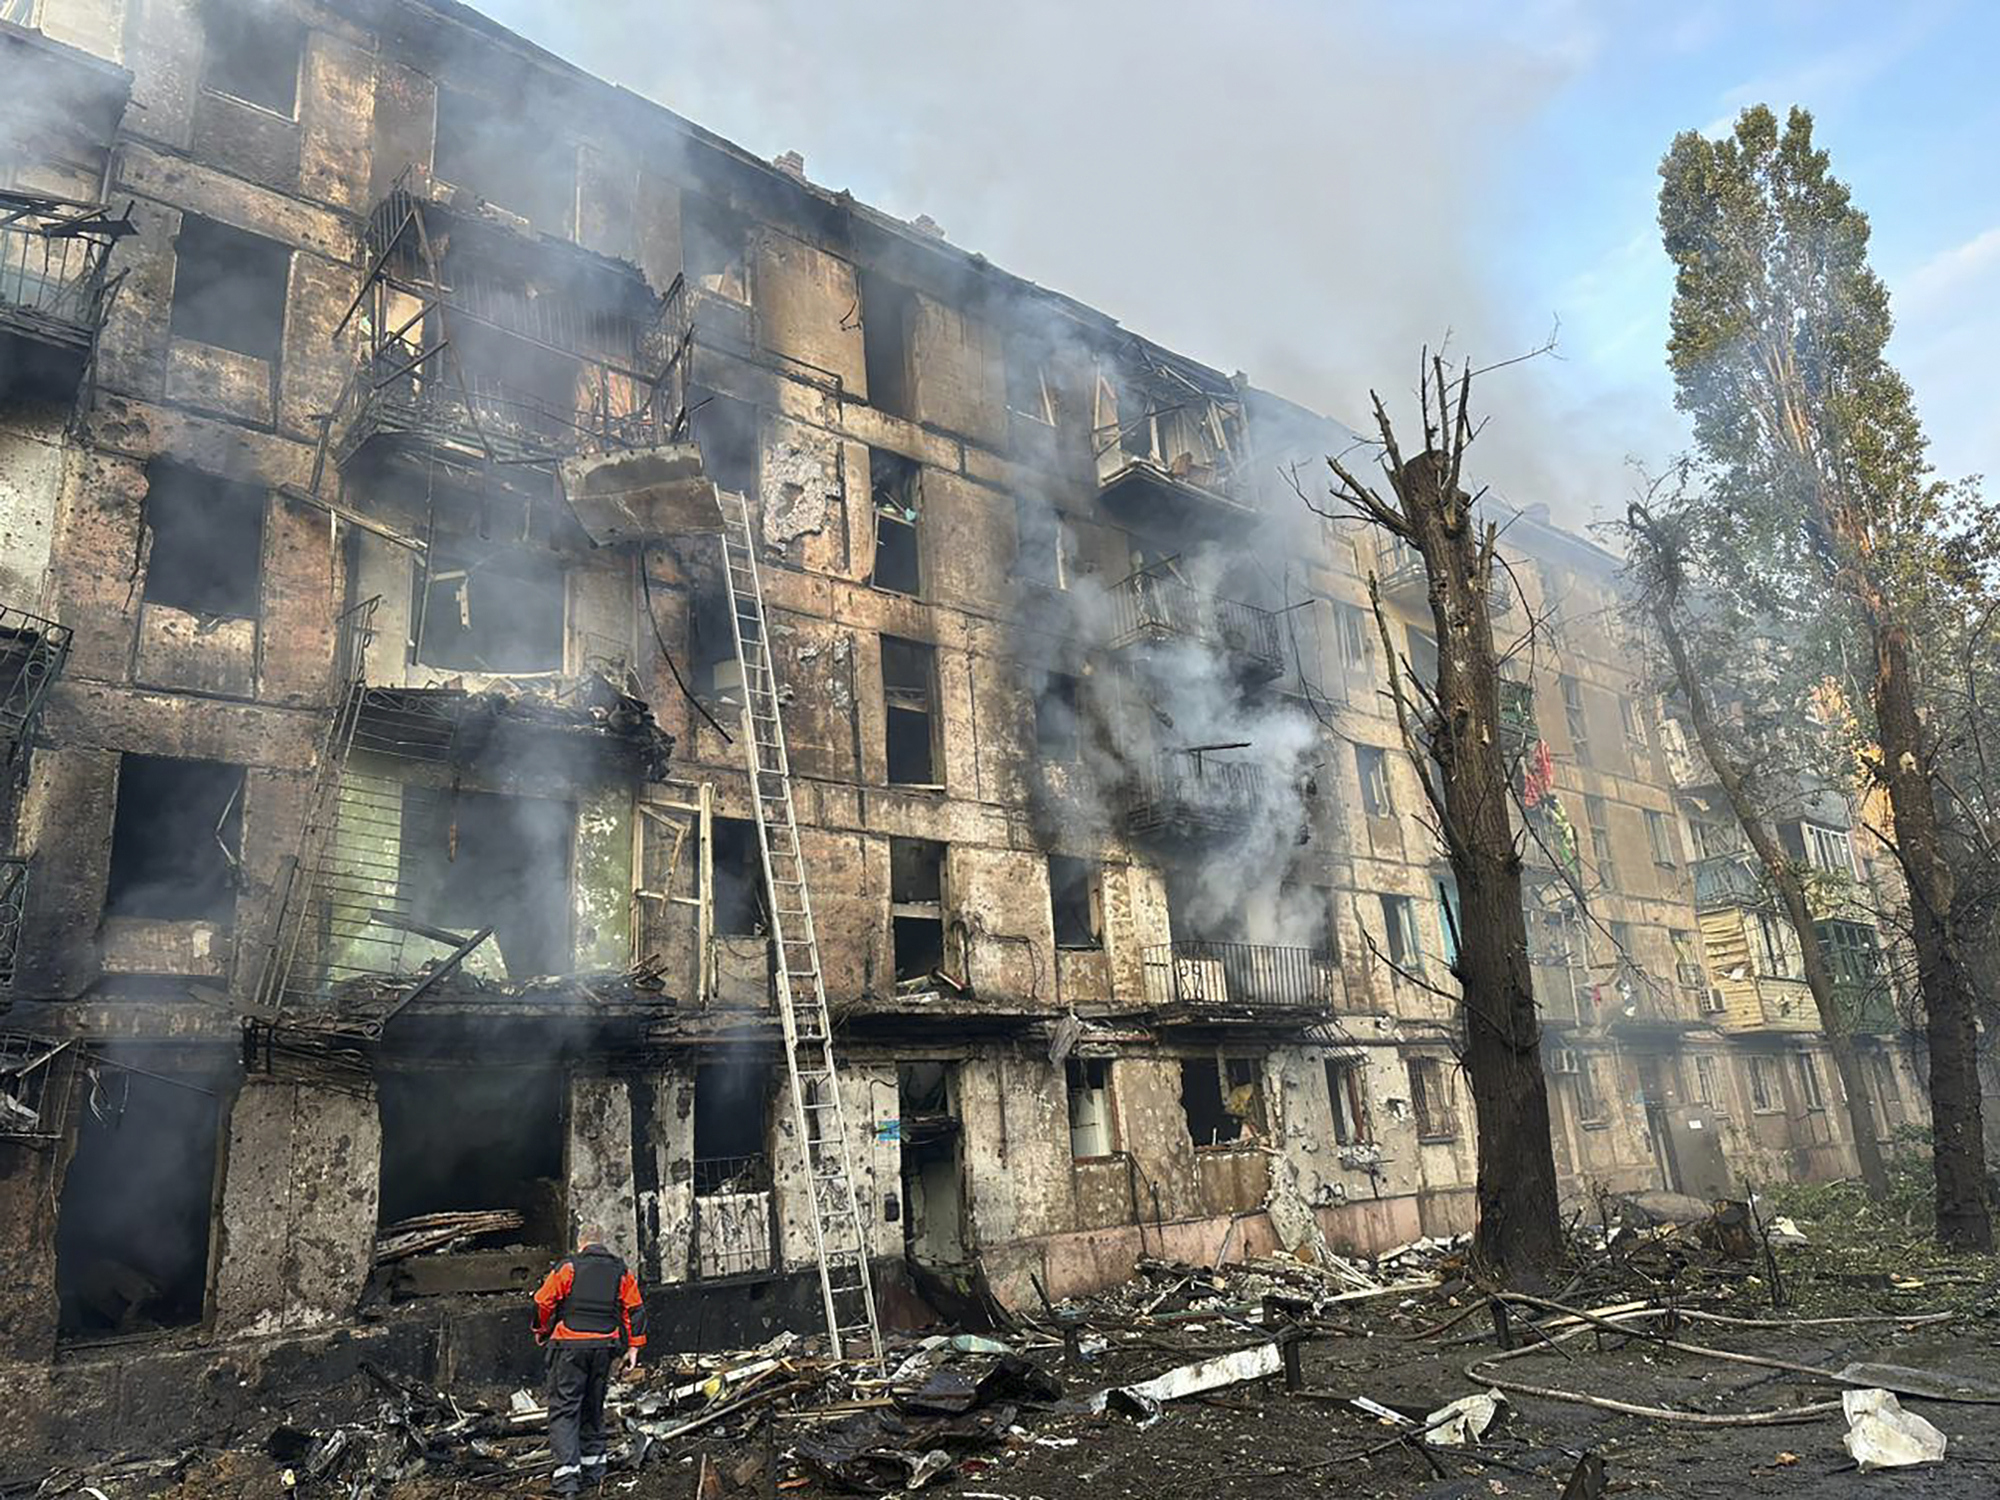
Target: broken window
x,y
1058,728
1208,1119
725,430
916,908
1399,921
1576,719
478,859
1372,762
1661,838
497,609
714,248
473,1139
1089,1080
895,487
737,870
1809,1089
888,314
252,53
1766,1093
132,1228
207,539
1598,818
1044,543
1589,1096
732,1105
909,691
495,150
1348,1092
1075,895
229,288
176,840
1430,1099
1355,633
1635,730
1030,392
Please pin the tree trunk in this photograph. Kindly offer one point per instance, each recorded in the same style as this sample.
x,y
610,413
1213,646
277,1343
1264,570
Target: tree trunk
x,y
1957,1143
1518,1229
1783,875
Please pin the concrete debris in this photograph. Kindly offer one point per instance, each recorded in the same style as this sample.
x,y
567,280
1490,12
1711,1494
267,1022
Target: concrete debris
x,y
1881,1435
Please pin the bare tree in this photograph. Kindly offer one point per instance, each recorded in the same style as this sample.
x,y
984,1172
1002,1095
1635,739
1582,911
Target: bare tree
x,y
1452,731
1660,564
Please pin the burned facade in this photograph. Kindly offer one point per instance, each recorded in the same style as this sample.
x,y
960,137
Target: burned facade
x,y
387,892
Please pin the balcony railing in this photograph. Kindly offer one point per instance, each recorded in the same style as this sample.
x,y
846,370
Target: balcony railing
x,y
1185,794
1399,569
55,284
1221,981
13,907
1561,990
32,653
1728,880
1147,607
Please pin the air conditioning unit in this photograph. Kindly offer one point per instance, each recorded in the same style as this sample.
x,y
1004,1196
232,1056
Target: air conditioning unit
x,y
1565,1060
1715,1004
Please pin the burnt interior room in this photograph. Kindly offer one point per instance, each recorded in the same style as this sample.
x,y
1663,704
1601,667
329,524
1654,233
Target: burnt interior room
x,y
896,490
1058,722
517,384
916,908
714,248
480,859
176,837
1209,1120
725,430
456,1139
732,1107
737,868
934,1228
506,154
206,541
132,1229
909,692
229,288
1073,900
489,607
888,311
251,52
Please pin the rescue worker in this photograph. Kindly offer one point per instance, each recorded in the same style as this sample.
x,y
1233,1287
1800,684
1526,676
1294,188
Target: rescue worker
x,y
587,1310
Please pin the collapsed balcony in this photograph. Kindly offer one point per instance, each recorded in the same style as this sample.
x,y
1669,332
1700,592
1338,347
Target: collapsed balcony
x,y
487,350
1151,609
1219,983
1170,445
55,287
1189,794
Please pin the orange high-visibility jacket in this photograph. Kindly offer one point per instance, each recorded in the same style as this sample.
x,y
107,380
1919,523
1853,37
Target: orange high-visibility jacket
x,y
591,1299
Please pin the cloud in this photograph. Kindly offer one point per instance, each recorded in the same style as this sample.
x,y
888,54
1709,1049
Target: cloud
x,y
1949,273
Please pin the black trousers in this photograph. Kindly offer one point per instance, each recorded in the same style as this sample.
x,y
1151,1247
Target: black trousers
x,y
579,1375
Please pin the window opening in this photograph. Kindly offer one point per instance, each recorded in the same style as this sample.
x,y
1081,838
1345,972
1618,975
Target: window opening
x,y
732,1108
176,840
1348,1091
896,489
229,288
251,53
916,909
494,611
1089,1080
1076,898
475,1139
207,542
909,678
479,859
888,314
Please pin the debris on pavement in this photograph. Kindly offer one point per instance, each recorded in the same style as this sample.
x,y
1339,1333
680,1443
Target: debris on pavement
x,y
1881,1435
1464,1420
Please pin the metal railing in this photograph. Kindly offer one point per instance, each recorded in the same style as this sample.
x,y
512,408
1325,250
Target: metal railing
x,y
1183,792
1400,570
32,653
1728,880
1258,979
1147,607
13,908
54,264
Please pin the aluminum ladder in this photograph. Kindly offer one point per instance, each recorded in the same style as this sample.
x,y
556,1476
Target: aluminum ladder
x,y
839,1235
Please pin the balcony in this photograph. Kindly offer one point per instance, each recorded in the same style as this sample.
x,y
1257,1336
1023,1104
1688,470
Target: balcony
x,y
1401,575
1562,991
1189,795
1728,880
32,653
1148,609
1220,983
55,288
1171,450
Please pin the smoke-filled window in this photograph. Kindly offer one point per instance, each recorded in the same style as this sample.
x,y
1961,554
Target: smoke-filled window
x,y
1030,392
888,314
176,839
732,1107
714,248
896,490
1372,764
229,288
916,908
725,430
1077,902
506,154
207,538
458,1140
909,691
497,609
1399,922
478,859
132,1231
737,868
1044,543
1058,718
1089,1081
252,53
1348,1092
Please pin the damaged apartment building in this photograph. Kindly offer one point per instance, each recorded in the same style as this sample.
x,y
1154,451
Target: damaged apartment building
x,y
387,890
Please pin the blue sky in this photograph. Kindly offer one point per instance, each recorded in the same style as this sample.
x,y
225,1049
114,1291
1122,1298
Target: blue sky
x,y
1311,191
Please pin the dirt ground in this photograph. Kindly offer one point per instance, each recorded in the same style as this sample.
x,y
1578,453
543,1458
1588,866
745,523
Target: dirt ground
x,y
1256,1439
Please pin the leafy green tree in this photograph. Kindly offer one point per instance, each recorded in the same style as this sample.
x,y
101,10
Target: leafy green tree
x,y
1823,507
